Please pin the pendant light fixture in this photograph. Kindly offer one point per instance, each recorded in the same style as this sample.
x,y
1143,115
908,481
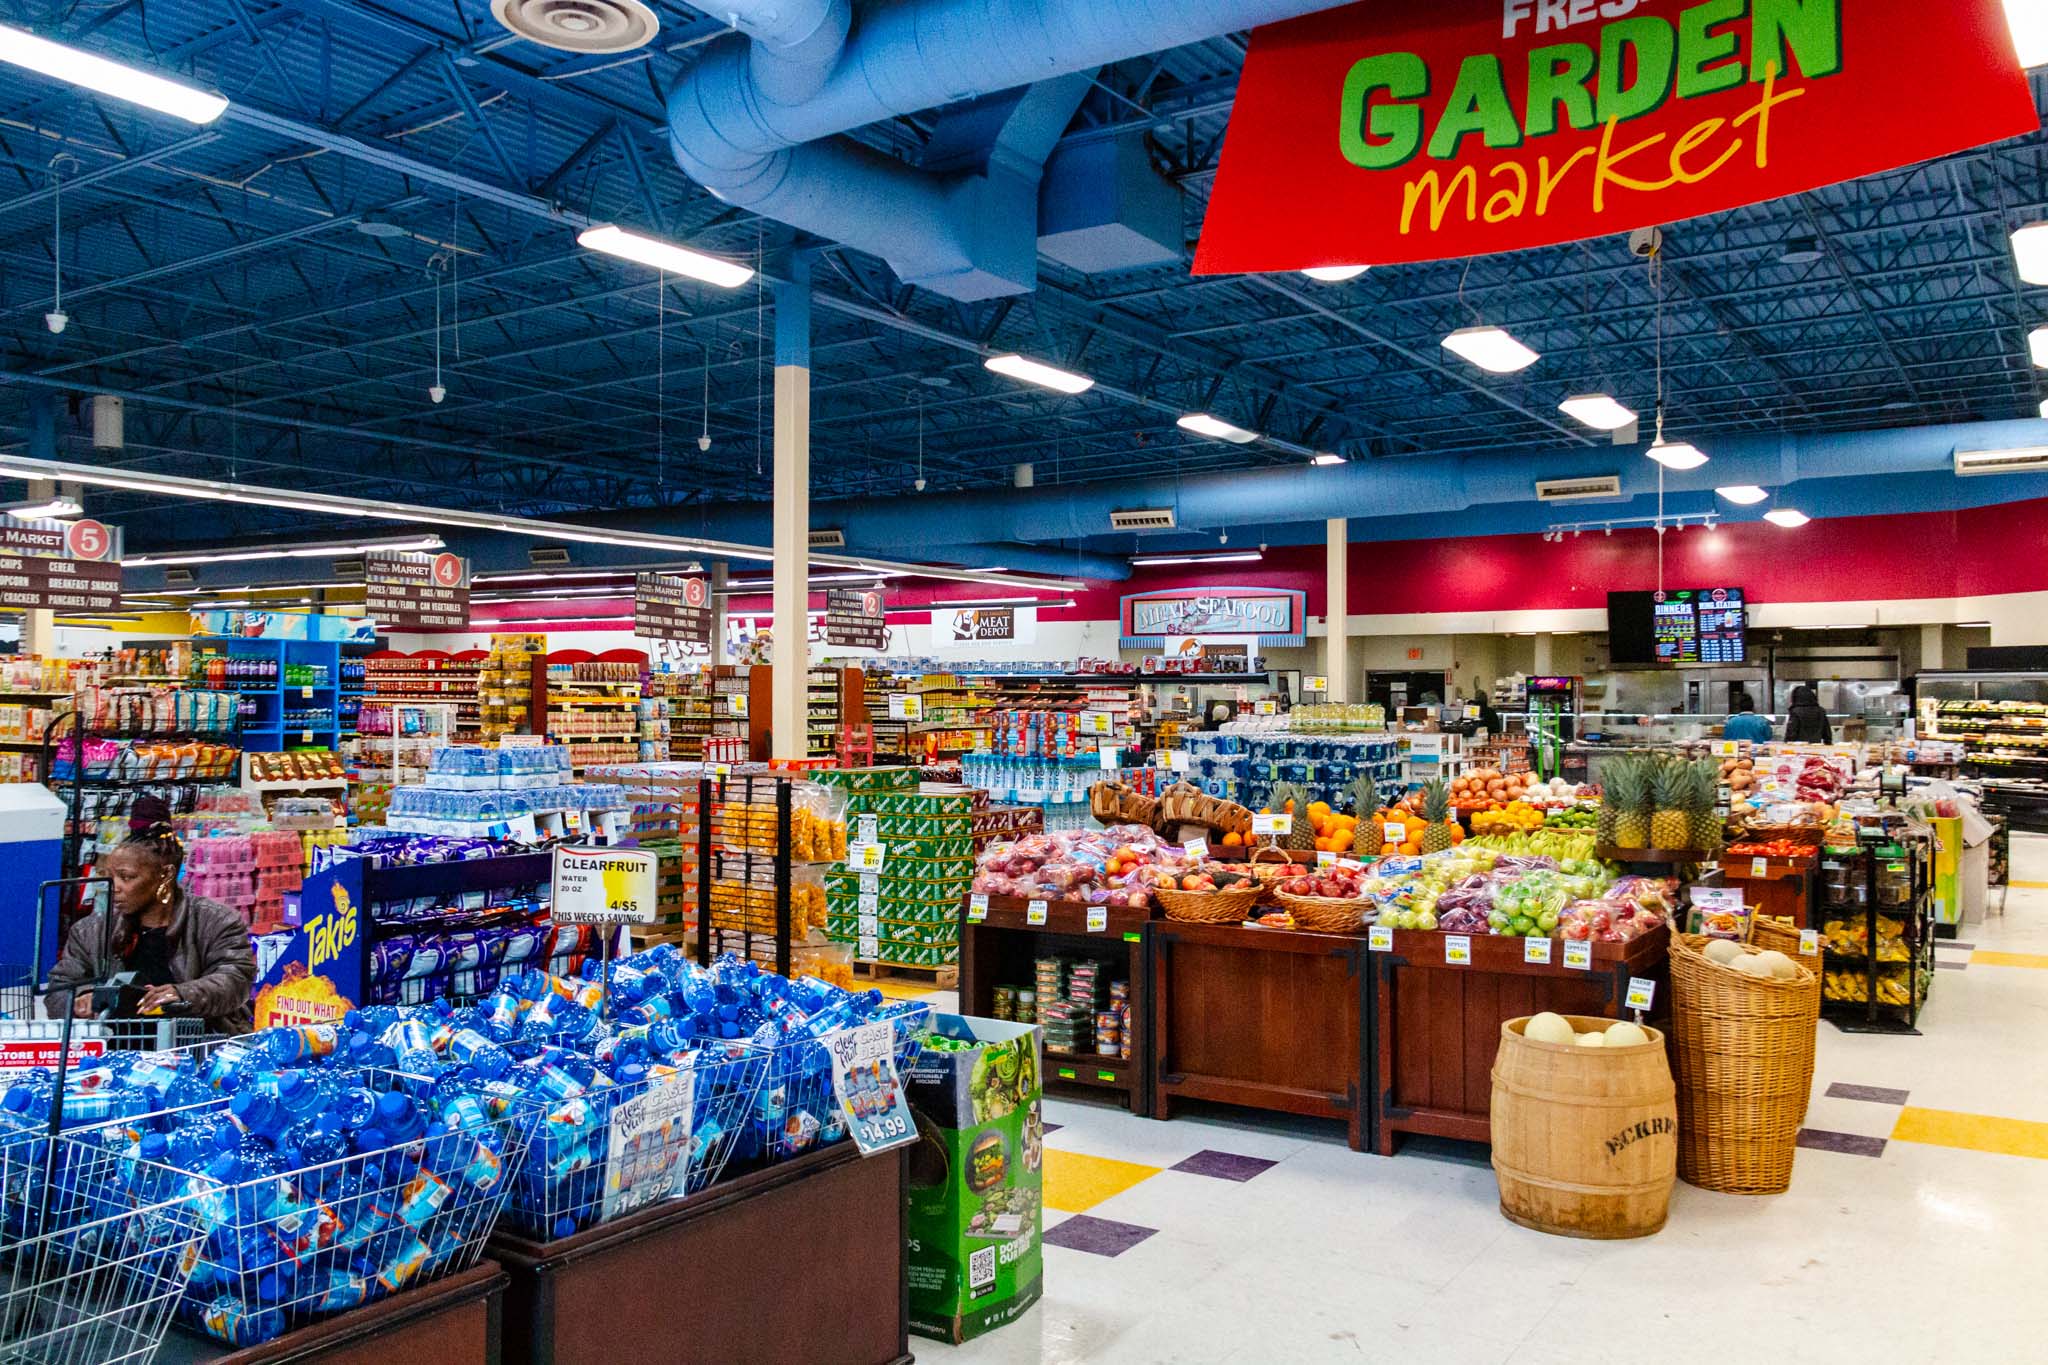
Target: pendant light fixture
x,y
1673,455
56,319
437,266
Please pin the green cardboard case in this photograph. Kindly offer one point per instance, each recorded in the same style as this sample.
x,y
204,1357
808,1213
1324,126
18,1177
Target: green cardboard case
x,y
977,1179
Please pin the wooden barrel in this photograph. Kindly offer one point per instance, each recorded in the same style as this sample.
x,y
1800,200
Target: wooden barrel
x,y
1585,1140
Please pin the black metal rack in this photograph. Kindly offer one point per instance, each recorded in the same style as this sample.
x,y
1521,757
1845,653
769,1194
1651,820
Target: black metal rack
x,y
1894,867
715,861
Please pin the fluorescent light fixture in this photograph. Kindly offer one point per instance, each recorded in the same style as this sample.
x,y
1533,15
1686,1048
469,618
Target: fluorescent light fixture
x,y
2028,20
1679,455
555,621
1202,424
2037,346
1787,517
1045,376
614,240
1220,557
46,509
1597,411
1327,458
553,575
2044,407
2030,251
1335,274
1491,348
992,602
327,549
1743,494
549,595
118,79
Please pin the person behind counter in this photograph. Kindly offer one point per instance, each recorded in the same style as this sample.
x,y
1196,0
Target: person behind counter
x,y
1746,723
1805,721
188,954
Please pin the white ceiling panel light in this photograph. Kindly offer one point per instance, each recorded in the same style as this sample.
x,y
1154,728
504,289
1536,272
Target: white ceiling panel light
x,y
1492,349
1219,557
2030,248
1326,458
1677,455
2037,346
59,508
1742,494
1215,428
2028,20
117,79
1598,411
326,549
1335,274
1788,517
614,240
1045,376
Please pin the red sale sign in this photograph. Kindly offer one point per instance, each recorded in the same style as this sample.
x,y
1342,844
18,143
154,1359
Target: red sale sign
x,y
1381,133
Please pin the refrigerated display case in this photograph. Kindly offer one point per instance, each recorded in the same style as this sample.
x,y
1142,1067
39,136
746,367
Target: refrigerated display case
x,y
2001,720
1553,721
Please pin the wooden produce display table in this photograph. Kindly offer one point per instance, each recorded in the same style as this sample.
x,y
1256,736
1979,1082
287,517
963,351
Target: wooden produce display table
x,y
801,1261
1779,887
999,949
1438,1022
1267,1018
452,1321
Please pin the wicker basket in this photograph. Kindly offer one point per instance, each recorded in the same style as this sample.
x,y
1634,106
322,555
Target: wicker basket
x,y
1742,1051
1323,914
1186,804
1112,803
1231,906
1768,931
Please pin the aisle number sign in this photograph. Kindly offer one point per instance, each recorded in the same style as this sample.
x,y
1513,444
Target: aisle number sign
x,y
603,886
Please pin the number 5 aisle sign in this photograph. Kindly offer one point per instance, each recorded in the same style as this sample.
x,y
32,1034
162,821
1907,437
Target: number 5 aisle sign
x,y
865,1083
1379,133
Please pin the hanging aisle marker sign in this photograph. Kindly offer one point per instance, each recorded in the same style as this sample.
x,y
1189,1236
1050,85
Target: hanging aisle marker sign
x,y
673,607
59,566
416,592
854,619
1383,133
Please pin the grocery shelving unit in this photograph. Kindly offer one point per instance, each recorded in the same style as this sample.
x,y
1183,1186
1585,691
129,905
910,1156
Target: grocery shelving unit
x,y
2001,720
429,676
689,699
590,706
832,697
277,717
1876,981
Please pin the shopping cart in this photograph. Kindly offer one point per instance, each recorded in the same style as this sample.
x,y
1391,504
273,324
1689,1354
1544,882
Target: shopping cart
x,y
113,1252
603,1154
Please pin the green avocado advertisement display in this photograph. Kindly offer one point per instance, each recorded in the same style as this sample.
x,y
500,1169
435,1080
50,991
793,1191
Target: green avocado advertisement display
x,y
977,1177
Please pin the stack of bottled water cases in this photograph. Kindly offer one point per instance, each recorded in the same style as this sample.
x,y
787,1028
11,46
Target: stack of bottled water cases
x,y
1057,786
474,791
1244,767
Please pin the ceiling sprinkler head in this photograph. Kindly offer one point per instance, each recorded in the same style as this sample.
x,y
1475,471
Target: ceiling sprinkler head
x,y
704,441
437,392
57,322
918,483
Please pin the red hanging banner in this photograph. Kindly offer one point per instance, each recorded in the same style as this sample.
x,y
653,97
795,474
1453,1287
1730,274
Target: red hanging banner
x,y
1381,133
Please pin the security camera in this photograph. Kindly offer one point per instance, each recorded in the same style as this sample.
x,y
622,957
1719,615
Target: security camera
x,y
437,393
918,484
1223,539
57,321
704,441
1645,242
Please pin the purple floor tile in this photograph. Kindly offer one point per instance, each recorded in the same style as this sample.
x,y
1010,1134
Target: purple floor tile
x,y
1051,1128
1876,1094
1224,1165
1949,964
1096,1236
1953,943
1821,1140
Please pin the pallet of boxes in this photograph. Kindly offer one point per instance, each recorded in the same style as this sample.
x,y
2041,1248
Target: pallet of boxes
x,y
910,859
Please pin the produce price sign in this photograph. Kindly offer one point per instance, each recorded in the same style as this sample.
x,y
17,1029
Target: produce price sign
x,y
853,618
59,566
416,592
869,1092
1380,133
676,607
604,886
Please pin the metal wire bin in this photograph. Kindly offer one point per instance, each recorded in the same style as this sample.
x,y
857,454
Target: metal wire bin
x,y
796,1111
97,1287
606,1152
294,1245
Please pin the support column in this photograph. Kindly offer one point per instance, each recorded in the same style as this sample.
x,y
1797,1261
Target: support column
x,y
720,605
1931,646
1337,608
791,652
39,628
1543,665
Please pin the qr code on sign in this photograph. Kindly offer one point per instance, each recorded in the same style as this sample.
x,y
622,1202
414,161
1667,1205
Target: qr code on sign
x,y
981,1271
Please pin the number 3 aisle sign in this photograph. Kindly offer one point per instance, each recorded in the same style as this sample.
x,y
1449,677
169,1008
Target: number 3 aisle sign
x,y
869,1092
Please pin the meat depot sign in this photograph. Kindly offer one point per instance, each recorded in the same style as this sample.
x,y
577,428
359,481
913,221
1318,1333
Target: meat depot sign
x,y
1380,133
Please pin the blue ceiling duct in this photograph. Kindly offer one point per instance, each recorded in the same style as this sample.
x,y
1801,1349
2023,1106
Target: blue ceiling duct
x,y
753,121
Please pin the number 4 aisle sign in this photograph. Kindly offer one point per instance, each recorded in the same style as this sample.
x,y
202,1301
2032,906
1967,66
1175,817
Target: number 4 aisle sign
x,y
869,1092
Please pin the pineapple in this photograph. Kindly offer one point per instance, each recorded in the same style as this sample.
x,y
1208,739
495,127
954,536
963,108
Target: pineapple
x,y
1436,811
1628,791
1366,842
1669,826
1286,800
1610,804
1703,822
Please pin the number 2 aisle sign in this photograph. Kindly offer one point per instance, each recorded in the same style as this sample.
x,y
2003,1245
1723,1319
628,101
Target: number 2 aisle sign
x,y
865,1083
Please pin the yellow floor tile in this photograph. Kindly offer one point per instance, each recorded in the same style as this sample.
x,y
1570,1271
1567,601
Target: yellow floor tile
x,y
1075,1183
1973,1132
1985,958
2030,886
897,988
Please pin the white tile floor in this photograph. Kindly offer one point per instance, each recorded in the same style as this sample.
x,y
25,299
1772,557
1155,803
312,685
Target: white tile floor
x,y
1922,1254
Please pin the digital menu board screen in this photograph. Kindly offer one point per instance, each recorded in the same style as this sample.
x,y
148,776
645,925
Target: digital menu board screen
x,y
1686,626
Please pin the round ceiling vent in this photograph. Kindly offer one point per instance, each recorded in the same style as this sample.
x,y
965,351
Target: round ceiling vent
x,y
579,25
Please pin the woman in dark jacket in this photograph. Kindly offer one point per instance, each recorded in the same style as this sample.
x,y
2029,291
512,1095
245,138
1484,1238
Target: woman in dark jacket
x,y
187,954
1806,723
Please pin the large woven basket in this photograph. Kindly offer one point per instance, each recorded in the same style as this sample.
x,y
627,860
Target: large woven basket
x,y
1767,931
1229,906
1742,1054
1323,914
